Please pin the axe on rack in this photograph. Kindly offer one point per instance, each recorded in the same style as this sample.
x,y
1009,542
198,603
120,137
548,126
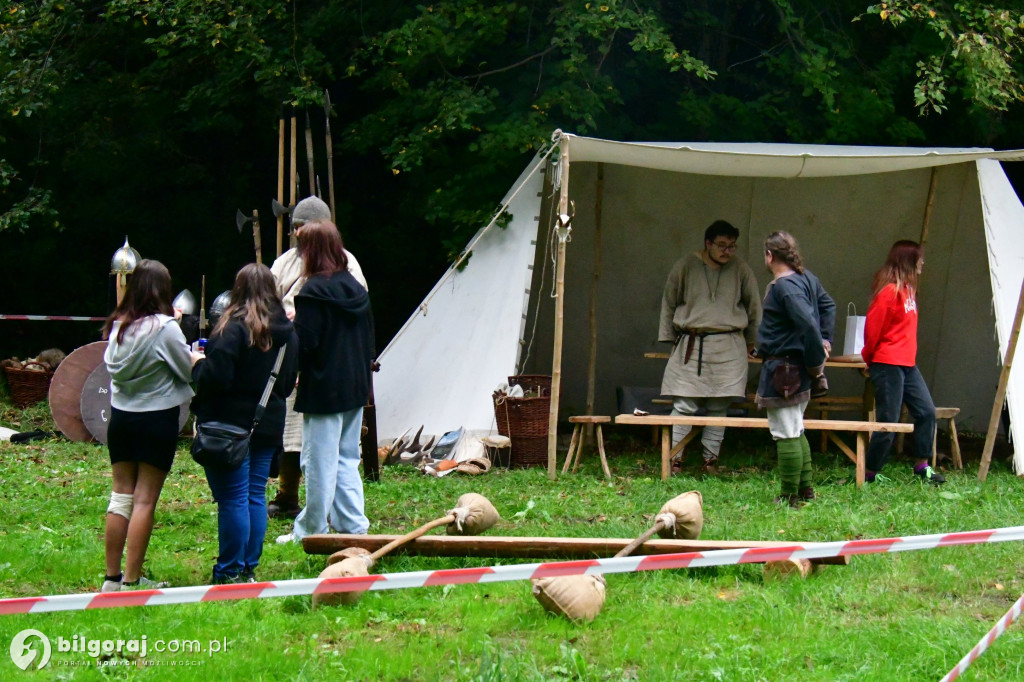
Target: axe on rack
x,y
280,211
241,219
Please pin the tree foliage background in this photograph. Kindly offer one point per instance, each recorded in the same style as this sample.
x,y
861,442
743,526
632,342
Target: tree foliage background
x,y
159,119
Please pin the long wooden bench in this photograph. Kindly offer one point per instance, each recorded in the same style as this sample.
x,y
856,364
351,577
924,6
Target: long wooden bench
x,y
863,429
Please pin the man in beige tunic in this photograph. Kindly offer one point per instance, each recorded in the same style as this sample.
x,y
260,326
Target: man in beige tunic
x,y
287,271
710,312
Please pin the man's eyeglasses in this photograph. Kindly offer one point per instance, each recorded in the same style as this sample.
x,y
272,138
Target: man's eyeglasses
x,y
727,248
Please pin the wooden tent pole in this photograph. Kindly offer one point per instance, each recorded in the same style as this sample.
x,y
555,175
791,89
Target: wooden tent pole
x,y
292,178
556,356
280,184
1004,379
926,223
592,365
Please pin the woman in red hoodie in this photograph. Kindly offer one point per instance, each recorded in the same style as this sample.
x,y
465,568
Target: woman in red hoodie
x,y
890,351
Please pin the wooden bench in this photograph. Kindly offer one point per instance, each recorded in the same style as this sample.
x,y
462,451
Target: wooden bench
x,y
576,443
863,429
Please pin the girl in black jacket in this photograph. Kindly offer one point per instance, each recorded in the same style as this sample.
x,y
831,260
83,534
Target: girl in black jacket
x,y
240,356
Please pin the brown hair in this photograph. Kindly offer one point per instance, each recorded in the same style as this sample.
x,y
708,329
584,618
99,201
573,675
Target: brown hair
x,y
783,246
321,249
900,267
148,292
253,301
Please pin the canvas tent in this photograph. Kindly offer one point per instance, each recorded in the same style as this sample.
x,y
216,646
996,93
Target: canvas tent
x,y
638,207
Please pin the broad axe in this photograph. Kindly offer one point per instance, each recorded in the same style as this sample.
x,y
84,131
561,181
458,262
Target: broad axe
x,y
279,210
241,219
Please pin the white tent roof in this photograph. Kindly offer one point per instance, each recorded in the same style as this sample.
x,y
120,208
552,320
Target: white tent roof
x,y
471,332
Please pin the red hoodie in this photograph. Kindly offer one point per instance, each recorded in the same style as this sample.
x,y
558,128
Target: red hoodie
x,y
890,332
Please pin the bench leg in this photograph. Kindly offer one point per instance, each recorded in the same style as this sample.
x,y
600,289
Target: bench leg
x,y
823,414
600,450
573,442
666,446
862,448
954,445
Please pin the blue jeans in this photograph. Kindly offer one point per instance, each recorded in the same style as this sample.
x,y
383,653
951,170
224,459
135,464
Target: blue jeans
x,y
330,464
894,386
241,497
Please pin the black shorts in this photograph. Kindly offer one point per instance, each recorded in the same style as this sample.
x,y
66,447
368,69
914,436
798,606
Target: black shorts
x,y
149,437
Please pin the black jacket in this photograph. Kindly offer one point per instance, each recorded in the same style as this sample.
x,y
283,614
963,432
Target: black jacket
x,y
230,380
336,345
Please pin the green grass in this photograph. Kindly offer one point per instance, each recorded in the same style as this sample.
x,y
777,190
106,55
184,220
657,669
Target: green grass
x,y
907,616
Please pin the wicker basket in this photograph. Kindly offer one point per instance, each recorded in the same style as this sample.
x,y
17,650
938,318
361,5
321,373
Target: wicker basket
x,y
525,420
28,386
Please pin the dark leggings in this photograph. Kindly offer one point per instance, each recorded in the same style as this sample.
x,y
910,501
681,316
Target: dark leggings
x,y
895,386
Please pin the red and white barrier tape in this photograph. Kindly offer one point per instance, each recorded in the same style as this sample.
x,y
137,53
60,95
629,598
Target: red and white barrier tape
x,y
497,574
986,641
52,318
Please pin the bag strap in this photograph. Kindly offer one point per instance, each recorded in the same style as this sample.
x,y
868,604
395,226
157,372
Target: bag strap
x,y
265,398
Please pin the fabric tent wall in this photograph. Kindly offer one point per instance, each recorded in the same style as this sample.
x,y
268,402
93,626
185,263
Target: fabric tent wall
x,y
845,226
440,369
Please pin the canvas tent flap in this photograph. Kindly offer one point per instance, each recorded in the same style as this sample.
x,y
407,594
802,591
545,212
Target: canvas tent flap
x,y
440,369
772,160
1004,217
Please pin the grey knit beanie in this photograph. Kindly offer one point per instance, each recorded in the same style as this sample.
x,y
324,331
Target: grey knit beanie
x,y
310,210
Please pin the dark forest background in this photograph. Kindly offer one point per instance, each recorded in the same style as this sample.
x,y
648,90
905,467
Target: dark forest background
x,y
159,120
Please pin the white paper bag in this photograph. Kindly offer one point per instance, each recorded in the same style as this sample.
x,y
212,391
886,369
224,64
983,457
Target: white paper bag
x,y
854,341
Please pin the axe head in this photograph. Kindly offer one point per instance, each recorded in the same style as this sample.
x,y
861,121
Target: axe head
x,y
241,219
280,209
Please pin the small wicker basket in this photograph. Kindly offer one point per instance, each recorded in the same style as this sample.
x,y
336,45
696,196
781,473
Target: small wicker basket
x,y
525,420
28,386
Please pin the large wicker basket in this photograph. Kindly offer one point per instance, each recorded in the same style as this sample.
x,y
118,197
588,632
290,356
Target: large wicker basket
x,y
525,420
28,386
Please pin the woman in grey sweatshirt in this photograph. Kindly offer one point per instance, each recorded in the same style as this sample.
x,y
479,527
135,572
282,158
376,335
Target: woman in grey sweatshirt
x,y
150,369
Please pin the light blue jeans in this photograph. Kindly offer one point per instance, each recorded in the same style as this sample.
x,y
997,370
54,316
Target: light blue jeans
x,y
330,464
241,496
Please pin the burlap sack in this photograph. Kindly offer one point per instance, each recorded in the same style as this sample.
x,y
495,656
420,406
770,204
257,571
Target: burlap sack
x,y
687,512
474,514
352,566
577,597
346,553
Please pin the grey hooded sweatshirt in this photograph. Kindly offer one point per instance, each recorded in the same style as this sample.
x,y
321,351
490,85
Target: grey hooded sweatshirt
x,y
151,368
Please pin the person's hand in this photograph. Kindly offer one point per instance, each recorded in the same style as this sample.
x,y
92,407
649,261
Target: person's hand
x,y
177,314
196,357
290,314
828,348
752,352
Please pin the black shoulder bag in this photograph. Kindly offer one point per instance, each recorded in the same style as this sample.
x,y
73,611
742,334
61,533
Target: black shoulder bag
x,y
225,446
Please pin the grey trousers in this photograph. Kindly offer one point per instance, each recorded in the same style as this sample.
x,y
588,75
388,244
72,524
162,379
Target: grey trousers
x,y
711,438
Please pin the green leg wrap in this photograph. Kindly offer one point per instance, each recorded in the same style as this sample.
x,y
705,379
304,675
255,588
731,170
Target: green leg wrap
x,y
791,459
806,471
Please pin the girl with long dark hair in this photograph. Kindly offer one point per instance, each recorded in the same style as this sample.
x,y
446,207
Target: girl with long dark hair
x,y
149,364
890,351
230,381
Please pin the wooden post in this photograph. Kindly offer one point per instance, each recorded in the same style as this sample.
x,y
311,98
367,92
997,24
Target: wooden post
x,y
563,229
280,183
292,177
592,364
1004,379
926,223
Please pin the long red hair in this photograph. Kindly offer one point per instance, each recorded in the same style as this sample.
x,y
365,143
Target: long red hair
x,y
900,267
321,249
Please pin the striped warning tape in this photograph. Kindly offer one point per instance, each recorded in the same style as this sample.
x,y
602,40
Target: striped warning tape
x,y
52,318
986,641
496,574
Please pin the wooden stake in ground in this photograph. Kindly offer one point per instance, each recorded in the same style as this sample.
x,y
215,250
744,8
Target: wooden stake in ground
x,y
292,178
580,597
279,241
563,229
1004,379
473,514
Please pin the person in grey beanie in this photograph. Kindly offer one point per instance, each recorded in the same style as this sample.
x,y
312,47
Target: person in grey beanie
x,y
287,270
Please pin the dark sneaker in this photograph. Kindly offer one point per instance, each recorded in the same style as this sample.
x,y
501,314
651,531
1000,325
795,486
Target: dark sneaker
x,y
930,475
806,494
793,501
285,509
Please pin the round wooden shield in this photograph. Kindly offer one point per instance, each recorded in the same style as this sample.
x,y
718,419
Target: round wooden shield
x,y
66,390
95,404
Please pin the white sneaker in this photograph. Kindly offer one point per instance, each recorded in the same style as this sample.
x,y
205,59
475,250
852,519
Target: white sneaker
x,y
286,538
144,583
112,585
